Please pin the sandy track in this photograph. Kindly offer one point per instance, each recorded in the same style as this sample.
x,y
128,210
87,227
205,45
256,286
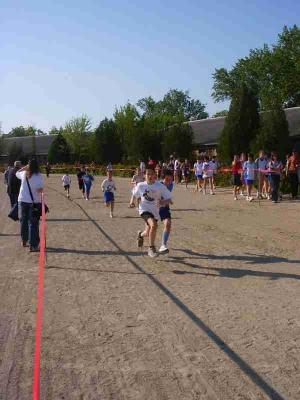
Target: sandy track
x,y
216,319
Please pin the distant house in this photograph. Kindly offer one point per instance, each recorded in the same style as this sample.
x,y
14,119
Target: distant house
x,y
207,131
37,146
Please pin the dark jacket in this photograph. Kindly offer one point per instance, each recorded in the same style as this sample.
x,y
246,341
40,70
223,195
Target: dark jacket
x,y
14,183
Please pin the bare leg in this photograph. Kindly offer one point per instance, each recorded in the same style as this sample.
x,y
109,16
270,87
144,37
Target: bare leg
x,y
152,233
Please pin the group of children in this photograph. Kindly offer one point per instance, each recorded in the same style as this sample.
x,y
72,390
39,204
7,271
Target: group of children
x,y
266,171
205,173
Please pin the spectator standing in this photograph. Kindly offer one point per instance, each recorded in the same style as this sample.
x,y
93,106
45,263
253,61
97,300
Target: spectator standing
x,y
292,172
13,184
30,178
275,168
48,169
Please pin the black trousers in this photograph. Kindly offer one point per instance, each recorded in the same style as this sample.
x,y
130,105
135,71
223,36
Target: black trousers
x,y
293,178
275,181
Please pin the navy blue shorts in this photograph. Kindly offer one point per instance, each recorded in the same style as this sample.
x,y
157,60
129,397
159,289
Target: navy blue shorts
x,y
164,213
199,177
109,197
249,181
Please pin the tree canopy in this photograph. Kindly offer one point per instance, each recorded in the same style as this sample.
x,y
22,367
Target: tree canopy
x,y
272,73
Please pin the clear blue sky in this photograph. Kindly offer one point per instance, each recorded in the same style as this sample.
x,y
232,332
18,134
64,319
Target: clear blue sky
x,y
69,58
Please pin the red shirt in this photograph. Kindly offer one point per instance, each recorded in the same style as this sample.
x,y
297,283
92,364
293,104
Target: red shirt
x,y
236,167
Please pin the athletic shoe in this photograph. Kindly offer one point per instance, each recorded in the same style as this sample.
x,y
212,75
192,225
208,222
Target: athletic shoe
x,y
87,198
152,252
68,196
163,249
235,198
140,239
111,215
212,193
247,198
250,199
83,196
34,249
269,198
24,244
274,201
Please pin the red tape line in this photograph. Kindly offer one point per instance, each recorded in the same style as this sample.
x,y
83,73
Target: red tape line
x,y
40,301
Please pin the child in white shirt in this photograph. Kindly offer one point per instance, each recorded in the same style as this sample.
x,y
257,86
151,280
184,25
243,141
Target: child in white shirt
x,y
207,175
109,187
66,180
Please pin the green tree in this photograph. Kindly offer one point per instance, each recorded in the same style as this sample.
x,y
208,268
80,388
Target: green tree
x,y
2,145
241,125
271,73
56,131
178,139
15,151
78,134
176,103
106,143
18,131
222,113
59,151
274,133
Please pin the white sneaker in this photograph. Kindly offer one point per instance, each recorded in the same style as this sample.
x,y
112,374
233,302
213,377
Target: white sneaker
x,y
269,198
235,198
247,198
163,249
250,199
111,215
212,193
152,252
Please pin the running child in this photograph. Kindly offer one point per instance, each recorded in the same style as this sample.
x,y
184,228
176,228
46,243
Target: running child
x,y
164,212
249,169
66,180
80,174
215,166
207,175
109,187
198,166
236,176
137,178
87,181
153,195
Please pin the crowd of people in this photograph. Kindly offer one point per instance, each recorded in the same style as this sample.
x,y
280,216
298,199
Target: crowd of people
x,y
152,189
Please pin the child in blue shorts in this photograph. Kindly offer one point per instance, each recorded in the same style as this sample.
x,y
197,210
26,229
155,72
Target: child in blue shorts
x,y
164,211
87,181
109,187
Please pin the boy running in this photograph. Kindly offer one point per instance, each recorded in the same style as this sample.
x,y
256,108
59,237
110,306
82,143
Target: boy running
x,y
80,174
66,179
109,187
153,195
87,181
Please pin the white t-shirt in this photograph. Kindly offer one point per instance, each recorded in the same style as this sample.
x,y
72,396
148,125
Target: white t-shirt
x,y
207,169
177,164
214,165
138,178
108,186
35,182
66,179
249,168
149,194
198,168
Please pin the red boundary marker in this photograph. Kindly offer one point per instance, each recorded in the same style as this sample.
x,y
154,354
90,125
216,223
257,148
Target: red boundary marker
x,y
40,301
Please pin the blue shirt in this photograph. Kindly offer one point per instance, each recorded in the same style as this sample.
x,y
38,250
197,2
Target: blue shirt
x,y
87,179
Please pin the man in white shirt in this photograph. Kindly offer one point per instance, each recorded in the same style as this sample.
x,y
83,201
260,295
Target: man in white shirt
x,y
152,195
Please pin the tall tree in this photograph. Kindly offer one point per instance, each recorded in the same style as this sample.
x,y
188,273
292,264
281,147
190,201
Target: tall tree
x,y
77,132
241,124
106,143
271,73
274,133
222,113
59,151
56,131
179,140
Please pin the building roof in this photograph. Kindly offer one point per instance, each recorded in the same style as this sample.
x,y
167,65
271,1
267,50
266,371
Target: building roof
x,y
207,131
42,144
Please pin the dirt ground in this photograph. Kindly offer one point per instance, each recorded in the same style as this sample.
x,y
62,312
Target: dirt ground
x,y
217,318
